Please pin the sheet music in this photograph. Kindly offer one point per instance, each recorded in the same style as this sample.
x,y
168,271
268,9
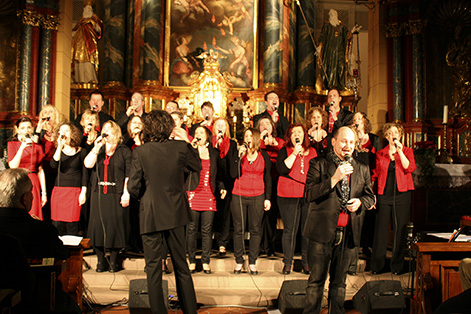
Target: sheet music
x,y
71,240
447,236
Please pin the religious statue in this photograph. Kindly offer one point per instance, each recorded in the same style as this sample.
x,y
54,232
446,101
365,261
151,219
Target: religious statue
x,y
332,51
84,45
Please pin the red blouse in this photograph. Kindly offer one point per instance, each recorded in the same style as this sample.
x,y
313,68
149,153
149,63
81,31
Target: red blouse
x,y
403,176
251,181
293,185
202,198
32,156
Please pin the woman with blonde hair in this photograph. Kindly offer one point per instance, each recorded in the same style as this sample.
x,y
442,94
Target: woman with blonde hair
x,y
227,149
45,135
315,125
108,228
394,166
90,122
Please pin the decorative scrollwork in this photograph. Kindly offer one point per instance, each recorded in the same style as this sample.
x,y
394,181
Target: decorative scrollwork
x,y
394,29
50,22
28,17
415,27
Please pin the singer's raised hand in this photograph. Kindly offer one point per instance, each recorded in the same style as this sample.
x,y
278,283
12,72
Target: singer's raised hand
x,y
342,171
298,148
275,116
130,110
398,145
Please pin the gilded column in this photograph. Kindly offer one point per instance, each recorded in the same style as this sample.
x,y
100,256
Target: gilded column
x,y
415,29
395,30
115,42
306,71
50,24
151,30
272,54
29,19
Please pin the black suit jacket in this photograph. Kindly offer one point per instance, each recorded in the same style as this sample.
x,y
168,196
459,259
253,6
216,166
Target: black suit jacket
x,y
157,179
325,204
281,126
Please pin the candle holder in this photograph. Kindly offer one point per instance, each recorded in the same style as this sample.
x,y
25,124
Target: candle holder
x,y
234,123
443,155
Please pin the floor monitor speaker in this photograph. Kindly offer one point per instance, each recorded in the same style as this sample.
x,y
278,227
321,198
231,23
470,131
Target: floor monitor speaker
x,y
292,297
139,296
380,296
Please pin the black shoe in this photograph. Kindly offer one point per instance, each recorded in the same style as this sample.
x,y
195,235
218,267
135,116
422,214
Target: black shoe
x,y
114,268
238,269
352,273
306,270
286,270
101,267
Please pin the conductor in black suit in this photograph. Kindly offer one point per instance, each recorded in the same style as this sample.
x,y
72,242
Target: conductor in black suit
x,y
339,191
157,178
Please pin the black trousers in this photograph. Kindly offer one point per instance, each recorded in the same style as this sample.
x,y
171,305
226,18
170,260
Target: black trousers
x,y
328,259
395,208
206,239
153,254
243,207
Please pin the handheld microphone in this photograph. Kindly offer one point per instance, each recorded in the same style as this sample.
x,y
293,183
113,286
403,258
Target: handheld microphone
x,y
394,141
137,130
206,117
356,125
94,107
348,158
331,103
27,139
198,139
104,135
316,126
240,151
275,107
61,135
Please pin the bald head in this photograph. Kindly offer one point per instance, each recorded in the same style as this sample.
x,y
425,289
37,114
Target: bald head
x,y
344,141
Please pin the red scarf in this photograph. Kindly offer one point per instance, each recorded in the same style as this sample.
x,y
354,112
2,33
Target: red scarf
x,y
223,147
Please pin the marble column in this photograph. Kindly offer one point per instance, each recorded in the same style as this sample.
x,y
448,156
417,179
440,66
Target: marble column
x,y
49,25
398,80
152,29
418,105
115,41
29,19
305,52
395,31
272,54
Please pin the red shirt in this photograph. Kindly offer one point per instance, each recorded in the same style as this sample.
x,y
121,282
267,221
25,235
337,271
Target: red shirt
x,y
202,198
293,184
403,176
251,179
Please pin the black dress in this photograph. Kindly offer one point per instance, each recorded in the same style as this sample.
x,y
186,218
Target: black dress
x,y
109,221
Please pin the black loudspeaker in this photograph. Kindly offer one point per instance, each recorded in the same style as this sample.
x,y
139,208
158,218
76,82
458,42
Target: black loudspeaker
x,y
380,296
292,297
139,296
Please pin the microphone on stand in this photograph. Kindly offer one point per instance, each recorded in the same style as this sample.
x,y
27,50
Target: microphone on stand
x,y
246,147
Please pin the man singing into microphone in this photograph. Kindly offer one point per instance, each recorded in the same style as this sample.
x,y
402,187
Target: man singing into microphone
x,y
273,104
96,102
136,108
339,191
338,117
207,111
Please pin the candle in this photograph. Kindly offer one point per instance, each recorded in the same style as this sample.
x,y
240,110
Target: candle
x,y
445,114
234,119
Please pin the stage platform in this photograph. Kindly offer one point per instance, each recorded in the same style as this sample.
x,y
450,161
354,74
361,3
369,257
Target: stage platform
x,y
222,286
